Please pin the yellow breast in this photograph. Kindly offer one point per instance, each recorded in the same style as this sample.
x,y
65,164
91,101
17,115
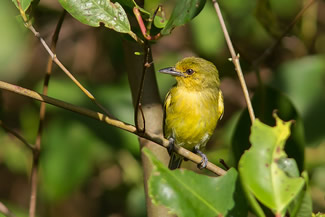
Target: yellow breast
x,y
191,116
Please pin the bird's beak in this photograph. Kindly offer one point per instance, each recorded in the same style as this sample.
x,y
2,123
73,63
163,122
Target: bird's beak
x,y
171,71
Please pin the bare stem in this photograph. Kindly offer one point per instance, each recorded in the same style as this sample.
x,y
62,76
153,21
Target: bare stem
x,y
235,60
138,107
37,150
159,139
5,211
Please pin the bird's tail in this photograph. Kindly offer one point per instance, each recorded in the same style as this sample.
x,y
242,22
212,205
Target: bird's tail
x,y
175,161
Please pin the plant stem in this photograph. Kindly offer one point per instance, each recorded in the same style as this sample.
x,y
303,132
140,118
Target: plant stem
x,y
235,60
17,135
5,211
138,106
37,149
66,71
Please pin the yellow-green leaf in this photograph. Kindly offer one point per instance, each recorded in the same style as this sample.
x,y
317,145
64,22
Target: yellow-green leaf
x,y
259,169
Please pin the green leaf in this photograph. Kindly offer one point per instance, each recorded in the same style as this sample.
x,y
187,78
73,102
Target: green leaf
x,y
289,166
265,101
159,22
259,169
95,12
301,206
183,12
24,4
189,194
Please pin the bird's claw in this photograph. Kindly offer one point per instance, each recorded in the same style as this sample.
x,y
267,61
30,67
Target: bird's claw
x,y
171,146
204,162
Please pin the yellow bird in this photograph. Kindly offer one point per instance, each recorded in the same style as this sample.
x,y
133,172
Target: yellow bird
x,y
192,107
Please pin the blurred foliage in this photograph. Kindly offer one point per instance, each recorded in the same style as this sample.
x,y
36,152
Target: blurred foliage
x,y
13,43
90,169
303,81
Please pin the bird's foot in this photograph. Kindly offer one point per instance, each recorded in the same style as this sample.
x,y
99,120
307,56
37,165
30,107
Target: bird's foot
x,y
171,146
204,161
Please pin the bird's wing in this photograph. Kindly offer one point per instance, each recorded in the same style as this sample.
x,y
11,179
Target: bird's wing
x,y
220,105
166,105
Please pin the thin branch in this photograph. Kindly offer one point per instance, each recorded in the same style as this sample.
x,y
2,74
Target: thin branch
x,y
159,139
65,70
138,107
235,60
17,135
37,150
269,50
5,211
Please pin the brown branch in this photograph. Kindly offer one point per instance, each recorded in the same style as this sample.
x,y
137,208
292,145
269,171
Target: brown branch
x,y
5,211
270,50
106,119
235,60
138,107
37,149
17,135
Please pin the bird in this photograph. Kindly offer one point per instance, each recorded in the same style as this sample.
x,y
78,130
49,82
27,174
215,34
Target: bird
x,y
192,107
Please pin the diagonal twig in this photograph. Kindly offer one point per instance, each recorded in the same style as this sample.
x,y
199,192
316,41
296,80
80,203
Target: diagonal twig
x,y
17,135
159,139
5,211
235,60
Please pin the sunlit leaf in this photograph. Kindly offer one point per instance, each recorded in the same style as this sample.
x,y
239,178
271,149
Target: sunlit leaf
x,y
97,12
265,101
259,169
183,12
189,194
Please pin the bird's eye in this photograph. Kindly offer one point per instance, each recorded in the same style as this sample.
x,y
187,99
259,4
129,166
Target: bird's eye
x,y
189,71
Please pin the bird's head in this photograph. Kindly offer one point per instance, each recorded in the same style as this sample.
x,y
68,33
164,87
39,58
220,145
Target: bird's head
x,y
194,73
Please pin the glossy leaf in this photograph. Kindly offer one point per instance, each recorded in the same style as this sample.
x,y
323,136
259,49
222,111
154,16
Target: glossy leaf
x,y
97,12
189,194
183,12
260,171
